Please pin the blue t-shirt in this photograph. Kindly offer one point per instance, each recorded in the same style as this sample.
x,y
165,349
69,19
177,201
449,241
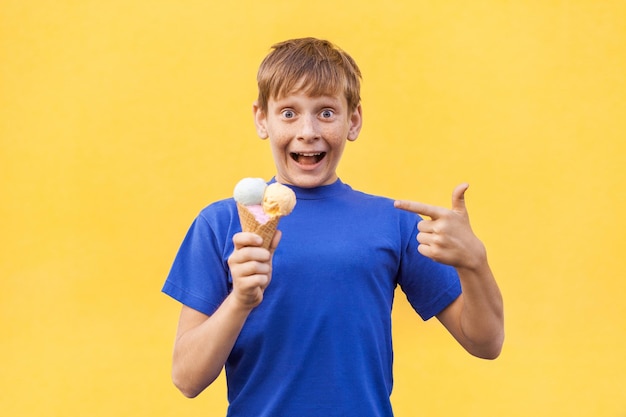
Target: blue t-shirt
x,y
320,342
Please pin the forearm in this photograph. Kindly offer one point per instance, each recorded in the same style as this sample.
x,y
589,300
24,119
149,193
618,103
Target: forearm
x,y
481,316
203,345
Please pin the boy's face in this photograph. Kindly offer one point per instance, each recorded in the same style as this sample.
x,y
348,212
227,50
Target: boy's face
x,y
307,136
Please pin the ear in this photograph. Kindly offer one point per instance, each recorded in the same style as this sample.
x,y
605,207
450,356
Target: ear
x,y
260,120
356,122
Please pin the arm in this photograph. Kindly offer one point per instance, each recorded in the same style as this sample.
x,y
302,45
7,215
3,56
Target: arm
x,y
203,342
475,318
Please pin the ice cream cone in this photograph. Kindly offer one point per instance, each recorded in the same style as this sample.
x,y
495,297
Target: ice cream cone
x,y
250,224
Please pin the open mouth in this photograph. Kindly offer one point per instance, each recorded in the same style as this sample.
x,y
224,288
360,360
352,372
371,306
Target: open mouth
x,y
309,158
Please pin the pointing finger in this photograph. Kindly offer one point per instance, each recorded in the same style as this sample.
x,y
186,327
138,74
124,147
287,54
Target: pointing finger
x,y
420,208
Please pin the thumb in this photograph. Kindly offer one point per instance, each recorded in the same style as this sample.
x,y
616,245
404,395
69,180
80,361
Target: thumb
x,y
275,239
458,198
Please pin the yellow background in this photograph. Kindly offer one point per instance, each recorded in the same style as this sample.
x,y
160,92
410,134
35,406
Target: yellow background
x,y
120,120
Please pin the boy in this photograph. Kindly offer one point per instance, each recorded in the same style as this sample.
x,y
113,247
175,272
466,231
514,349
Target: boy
x,y
304,328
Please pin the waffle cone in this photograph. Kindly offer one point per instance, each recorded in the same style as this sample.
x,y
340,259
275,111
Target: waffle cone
x,y
250,224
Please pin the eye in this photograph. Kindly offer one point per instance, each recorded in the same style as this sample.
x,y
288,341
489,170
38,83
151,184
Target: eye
x,y
288,114
327,114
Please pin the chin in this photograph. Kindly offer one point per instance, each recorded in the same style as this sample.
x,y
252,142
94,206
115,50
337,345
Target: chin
x,y
309,181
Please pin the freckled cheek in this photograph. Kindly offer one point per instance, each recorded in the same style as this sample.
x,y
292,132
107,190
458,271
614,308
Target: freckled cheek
x,y
280,140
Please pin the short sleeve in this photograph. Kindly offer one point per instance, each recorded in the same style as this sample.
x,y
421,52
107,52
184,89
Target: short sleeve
x,y
428,285
199,277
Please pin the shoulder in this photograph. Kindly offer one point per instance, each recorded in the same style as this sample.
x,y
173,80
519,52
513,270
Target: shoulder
x,y
382,205
219,210
218,222
349,193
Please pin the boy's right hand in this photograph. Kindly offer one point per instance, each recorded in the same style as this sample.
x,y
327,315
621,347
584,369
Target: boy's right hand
x,y
251,268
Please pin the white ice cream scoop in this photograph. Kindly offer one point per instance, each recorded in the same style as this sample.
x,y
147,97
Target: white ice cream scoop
x,y
249,191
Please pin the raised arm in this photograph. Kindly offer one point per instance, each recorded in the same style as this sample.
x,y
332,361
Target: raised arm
x,y
203,342
475,318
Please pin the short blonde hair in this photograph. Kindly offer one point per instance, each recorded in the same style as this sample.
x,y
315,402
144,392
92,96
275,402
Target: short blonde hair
x,y
313,66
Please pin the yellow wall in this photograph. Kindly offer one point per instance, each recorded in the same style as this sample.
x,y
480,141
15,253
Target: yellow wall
x,y
119,120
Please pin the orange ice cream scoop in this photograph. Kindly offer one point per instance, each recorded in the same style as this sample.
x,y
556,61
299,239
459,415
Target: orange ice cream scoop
x,y
278,200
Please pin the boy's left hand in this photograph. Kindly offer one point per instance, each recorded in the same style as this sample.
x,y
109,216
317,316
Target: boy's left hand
x,y
447,237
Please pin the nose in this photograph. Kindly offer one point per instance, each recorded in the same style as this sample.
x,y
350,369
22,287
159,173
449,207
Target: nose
x,y
308,129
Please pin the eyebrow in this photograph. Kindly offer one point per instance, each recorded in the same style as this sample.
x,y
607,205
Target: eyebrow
x,y
324,97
